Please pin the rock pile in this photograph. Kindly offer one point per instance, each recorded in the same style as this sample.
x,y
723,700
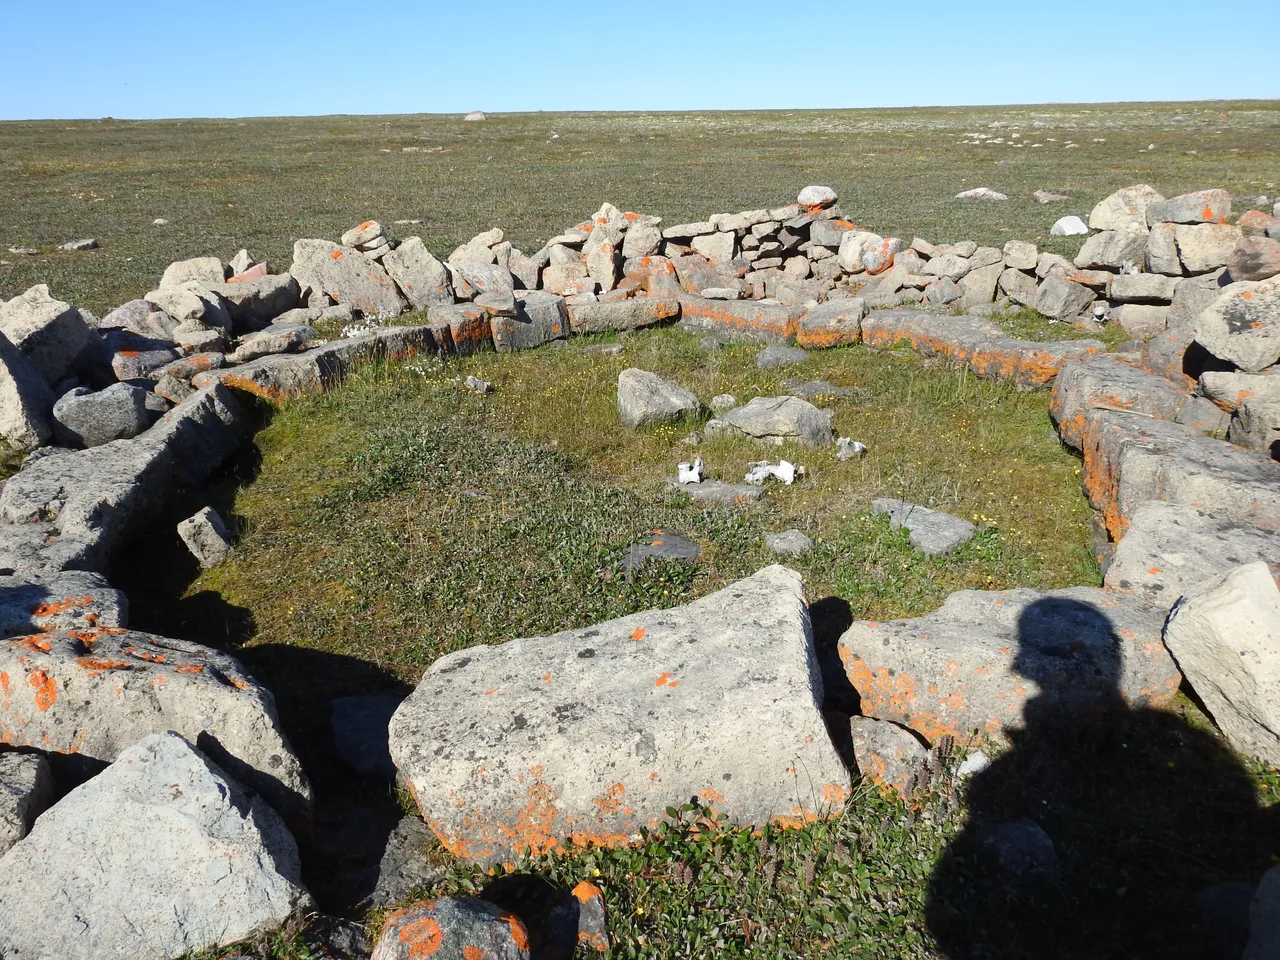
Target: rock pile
x,y
1179,440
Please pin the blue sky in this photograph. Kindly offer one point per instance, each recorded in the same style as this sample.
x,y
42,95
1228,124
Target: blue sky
x,y
191,58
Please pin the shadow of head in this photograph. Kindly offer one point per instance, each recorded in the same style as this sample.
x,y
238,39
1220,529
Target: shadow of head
x,y
1071,651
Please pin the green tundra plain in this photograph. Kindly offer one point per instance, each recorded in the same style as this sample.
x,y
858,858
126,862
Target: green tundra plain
x,y
400,517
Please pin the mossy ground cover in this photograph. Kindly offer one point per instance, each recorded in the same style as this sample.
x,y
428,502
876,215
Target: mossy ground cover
x,y
402,516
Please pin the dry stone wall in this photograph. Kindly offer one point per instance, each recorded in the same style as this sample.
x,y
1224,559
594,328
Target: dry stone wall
x,y
1179,431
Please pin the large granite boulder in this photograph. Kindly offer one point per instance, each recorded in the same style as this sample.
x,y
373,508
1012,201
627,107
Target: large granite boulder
x,y
1243,325
161,855
26,402
347,276
422,278
52,334
82,418
588,735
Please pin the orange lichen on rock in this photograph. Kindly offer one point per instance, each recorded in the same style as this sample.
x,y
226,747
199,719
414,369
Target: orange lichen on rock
x,y
423,937
46,688
60,606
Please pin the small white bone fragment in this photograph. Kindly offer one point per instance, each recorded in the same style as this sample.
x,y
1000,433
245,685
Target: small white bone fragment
x,y
691,472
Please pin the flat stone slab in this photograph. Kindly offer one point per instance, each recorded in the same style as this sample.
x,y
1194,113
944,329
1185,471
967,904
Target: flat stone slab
x,y
1131,459
933,532
717,491
661,545
976,343
1171,550
279,377
984,660
160,855
788,543
1103,381
811,389
633,314
590,734
93,694
739,319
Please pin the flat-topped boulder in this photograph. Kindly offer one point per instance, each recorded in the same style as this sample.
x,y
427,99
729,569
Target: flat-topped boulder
x,y
69,600
933,532
984,660
776,420
590,734
1170,550
160,856
1103,381
717,491
1130,459
633,314
91,694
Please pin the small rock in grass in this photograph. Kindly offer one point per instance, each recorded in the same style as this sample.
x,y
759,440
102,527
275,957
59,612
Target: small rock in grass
x,y
886,754
75,246
645,399
661,545
723,401
604,349
1020,851
974,763
847,449
933,532
479,386
1044,196
980,193
449,929
777,356
716,491
788,543
1069,227
207,537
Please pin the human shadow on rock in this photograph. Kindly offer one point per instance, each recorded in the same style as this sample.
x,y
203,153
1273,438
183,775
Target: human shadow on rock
x,y
1093,835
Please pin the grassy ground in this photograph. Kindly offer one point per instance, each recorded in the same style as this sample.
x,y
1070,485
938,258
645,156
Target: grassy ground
x,y
262,183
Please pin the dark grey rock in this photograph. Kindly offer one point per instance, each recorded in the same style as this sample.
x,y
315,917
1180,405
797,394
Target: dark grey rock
x,y
1020,851
360,733
83,418
404,866
776,356
134,357
661,545
26,791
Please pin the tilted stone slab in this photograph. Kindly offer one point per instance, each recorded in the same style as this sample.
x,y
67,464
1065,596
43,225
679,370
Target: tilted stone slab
x,y
739,320
346,275
51,333
984,660
73,509
26,402
1130,459
72,600
976,343
717,491
257,302
161,855
933,532
289,375
1170,550
94,693
633,314
587,736
1103,381
1226,639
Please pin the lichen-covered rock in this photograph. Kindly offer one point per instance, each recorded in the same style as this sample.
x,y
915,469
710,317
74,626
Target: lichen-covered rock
x,y
422,278
887,755
1243,325
739,319
540,317
1111,249
1225,636
633,314
71,600
646,400
1103,381
1203,206
161,855
93,693
346,275
1206,246
1125,209
1130,459
776,420
836,323
1171,550
450,929
201,269
981,661
590,734
1256,425
1255,258
256,302
140,317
